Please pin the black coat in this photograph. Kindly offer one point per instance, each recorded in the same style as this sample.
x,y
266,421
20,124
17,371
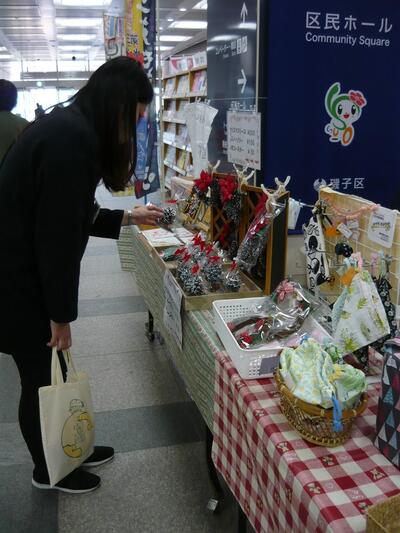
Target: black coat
x,y
47,190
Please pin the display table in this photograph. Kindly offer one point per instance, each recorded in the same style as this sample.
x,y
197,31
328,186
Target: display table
x,y
284,483
195,361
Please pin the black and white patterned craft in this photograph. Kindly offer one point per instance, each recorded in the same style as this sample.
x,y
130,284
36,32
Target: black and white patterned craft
x,y
314,243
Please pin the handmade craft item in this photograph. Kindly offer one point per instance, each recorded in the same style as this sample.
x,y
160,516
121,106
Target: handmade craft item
x,y
233,280
388,417
169,216
314,243
358,316
312,376
194,284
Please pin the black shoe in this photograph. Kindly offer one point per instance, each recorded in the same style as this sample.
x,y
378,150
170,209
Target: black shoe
x,y
101,455
77,482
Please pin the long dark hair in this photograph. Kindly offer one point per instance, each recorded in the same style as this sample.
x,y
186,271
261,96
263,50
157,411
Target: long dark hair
x,y
109,101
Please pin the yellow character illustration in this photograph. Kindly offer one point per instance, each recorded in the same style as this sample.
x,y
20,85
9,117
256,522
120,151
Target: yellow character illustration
x,y
76,434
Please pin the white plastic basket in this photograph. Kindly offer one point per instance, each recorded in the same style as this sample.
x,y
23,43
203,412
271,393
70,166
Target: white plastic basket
x,y
259,362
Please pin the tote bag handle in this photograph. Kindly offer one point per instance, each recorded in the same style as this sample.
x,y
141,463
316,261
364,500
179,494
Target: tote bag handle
x,y
56,372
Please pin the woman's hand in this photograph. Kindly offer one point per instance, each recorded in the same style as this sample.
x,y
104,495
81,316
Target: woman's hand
x,y
60,336
148,214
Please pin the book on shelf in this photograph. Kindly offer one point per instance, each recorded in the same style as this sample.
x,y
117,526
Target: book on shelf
x,y
170,155
183,160
183,86
169,87
183,135
199,82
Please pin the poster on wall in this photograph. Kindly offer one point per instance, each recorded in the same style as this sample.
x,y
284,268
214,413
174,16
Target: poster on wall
x,y
331,94
114,36
140,37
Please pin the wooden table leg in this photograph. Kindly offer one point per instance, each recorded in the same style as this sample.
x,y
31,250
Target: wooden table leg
x,y
217,497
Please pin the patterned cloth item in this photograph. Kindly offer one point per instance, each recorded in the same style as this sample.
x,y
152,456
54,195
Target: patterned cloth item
x,y
388,417
312,376
283,483
314,243
358,315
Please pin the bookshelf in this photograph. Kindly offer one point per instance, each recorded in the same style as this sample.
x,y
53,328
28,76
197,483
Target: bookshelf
x,y
181,87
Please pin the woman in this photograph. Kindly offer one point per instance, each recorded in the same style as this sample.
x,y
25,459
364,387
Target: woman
x,y
10,125
47,212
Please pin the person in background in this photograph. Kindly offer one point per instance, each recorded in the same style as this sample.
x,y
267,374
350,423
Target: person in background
x,y
48,181
39,111
10,125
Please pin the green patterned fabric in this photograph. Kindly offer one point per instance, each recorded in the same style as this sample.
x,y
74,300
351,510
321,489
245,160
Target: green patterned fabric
x,y
196,361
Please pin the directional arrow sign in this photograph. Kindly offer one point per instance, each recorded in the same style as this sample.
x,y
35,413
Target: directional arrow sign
x,y
244,12
242,81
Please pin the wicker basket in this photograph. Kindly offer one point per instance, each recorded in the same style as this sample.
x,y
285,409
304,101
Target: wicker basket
x,y
384,517
315,423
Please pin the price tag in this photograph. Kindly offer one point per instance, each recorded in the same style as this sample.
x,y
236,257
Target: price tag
x,y
381,226
345,230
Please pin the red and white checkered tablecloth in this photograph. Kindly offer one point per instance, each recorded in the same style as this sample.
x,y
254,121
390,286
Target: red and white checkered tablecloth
x,y
283,483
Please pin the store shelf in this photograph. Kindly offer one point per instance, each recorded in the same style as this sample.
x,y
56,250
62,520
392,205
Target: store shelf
x,y
177,74
181,146
198,94
175,168
175,120
200,67
194,69
176,97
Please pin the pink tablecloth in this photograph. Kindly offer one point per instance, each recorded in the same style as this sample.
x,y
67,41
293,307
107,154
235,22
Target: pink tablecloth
x,y
282,483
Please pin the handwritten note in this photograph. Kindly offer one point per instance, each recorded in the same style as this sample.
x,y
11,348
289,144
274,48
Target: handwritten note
x,y
244,138
381,226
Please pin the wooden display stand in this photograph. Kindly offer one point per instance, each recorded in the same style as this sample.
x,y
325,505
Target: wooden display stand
x,y
273,264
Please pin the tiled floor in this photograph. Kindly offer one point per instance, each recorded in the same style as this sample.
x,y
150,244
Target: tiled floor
x,y
158,481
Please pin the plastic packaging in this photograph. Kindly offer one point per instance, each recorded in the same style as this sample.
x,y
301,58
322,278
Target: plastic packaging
x,y
257,235
233,281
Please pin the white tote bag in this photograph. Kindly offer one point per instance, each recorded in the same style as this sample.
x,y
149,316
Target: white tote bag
x,y
66,419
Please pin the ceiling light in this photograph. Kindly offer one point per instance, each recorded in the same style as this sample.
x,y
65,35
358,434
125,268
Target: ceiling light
x,y
83,3
78,22
174,38
3,49
6,56
189,24
170,19
165,48
76,37
201,5
182,9
73,47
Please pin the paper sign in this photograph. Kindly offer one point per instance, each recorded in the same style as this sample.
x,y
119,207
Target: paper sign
x,y
161,237
172,307
199,118
244,138
381,226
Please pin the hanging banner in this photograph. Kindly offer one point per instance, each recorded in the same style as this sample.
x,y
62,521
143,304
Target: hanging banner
x,y
332,103
140,38
114,36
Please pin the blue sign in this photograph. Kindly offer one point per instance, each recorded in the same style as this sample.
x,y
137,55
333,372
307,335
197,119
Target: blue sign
x,y
231,66
332,109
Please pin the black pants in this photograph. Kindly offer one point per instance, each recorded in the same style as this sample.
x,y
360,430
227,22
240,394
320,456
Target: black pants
x,y
35,371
